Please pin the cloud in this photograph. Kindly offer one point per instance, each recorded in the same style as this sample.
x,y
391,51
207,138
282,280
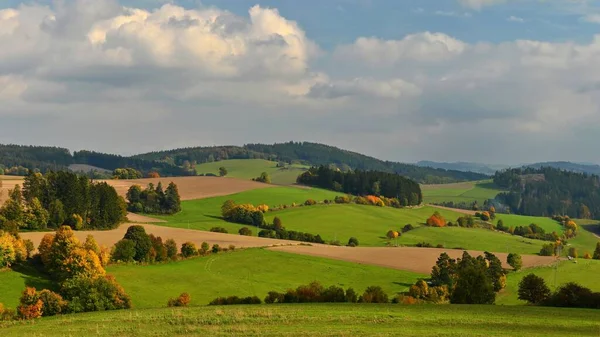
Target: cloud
x,y
453,14
592,18
513,18
364,87
479,4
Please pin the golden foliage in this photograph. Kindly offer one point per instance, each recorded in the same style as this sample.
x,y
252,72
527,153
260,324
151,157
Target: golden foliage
x,y
45,248
436,220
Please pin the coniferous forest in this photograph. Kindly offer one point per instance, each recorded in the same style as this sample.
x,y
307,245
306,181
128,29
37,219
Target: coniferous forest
x,y
364,183
548,191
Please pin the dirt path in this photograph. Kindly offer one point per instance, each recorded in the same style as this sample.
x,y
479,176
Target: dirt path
x,y
190,188
415,259
180,235
457,210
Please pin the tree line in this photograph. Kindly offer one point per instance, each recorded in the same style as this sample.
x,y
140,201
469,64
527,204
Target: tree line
x,y
154,199
548,192
364,183
62,198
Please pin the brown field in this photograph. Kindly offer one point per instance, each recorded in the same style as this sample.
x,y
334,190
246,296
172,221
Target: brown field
x,y
189,187
142,218
457,210
109,238
415,259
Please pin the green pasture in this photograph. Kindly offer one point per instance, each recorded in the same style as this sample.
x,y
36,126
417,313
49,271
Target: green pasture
x,y
252,168
467,192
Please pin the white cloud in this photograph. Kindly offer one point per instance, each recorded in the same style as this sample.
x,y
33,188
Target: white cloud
x,y
365,87
453,14
479,4
513,18
592,18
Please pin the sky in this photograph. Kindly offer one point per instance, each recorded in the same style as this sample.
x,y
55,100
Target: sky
x,y
493,81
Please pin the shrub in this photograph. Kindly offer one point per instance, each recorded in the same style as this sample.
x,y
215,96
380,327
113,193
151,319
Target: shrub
x,y
274,297
515,261
95,294
351,296
188,249
159,249
407,228
572,295
7,314
342,199
123,251
439,245
245,231
533,289
142,241
352,242
263,208
171,249
573,252
310,202
419,290
406,300
233,300
597,252
204,247
374,294
215,248
277,224
219,230
587,256
547,250
436,220
424,244
231,247
30,305
53,303
182,301
473,286
333,294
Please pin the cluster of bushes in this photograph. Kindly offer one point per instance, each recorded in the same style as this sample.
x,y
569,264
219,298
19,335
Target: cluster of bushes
x,y
182,300
569,225
552,249
357,182
534,290
263,178
246,214
61,198
219,230
154,200
311,293
284,234
126,173
13,249
487,215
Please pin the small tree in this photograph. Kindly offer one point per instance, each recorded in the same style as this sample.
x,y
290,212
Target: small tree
x,y
216,248
222,171
188,249
30,305
53,303
245,231
533,289
597,252
123,251
182,301
352,242
515,261
142,241
171,247
547,250
573,252
374,294
277,224
204,247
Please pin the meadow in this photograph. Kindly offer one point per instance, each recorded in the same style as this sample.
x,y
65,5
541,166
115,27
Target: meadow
x,y
320,320
467,192
252,168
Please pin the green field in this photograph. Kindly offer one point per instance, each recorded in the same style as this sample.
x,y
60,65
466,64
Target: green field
x,y
584,272
12,283
252,168
467,192
320,320
244,272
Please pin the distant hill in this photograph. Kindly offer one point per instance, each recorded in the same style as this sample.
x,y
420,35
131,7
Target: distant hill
x,y
463,166
569,166
307,153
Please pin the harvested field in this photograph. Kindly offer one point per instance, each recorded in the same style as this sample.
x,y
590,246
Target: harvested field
x,y
109,238
457,210
142,219
190,188
418,260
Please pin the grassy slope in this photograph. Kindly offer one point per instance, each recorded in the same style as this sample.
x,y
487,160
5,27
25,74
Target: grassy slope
x,y
203,214
584,272
320,320
252,168
462,192
12,283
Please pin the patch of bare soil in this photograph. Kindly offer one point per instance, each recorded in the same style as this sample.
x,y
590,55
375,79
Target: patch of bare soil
x,y
109,238
457,210
190,188
415,259
142,219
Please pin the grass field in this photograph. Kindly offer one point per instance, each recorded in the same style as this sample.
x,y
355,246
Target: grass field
x,y
320,320
584,272
467,192
12,283
203,214
252,168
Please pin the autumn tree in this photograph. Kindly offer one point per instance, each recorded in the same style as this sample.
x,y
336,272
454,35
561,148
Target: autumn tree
x,y
436,220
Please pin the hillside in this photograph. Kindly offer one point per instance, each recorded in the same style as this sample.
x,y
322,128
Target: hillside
x,y
309,154
490,169
252,168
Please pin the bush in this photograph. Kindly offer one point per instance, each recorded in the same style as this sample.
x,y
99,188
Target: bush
x,y
245,231
547,250
188,249
572,295
587,256
95,294
352,242
231,247
6,314
310,202
374,294
219,230
597,252
159,251
53,303
333,294
274,297
515,261
123,251
436,220
407,228
277,223
533,289
473,286
573,252
204,247
171,248
30,305
424,244
342,199
215,248
351,296
234,300
182,301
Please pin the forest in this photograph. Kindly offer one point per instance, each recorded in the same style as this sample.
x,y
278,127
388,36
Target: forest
x,y
62,198
310,154
549,191
364,183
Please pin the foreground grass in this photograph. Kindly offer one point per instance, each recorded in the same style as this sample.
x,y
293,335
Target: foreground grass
x,y
248,273
252,168
320,320
13,282
467,192
584,272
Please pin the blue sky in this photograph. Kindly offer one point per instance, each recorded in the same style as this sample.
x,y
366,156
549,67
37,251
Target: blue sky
x,y
497,81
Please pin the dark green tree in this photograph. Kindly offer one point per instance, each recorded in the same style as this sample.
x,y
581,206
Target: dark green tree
x,y
533,289
142,242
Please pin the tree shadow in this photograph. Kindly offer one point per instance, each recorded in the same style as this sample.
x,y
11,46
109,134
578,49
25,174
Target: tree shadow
x,y
34,277
593,228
